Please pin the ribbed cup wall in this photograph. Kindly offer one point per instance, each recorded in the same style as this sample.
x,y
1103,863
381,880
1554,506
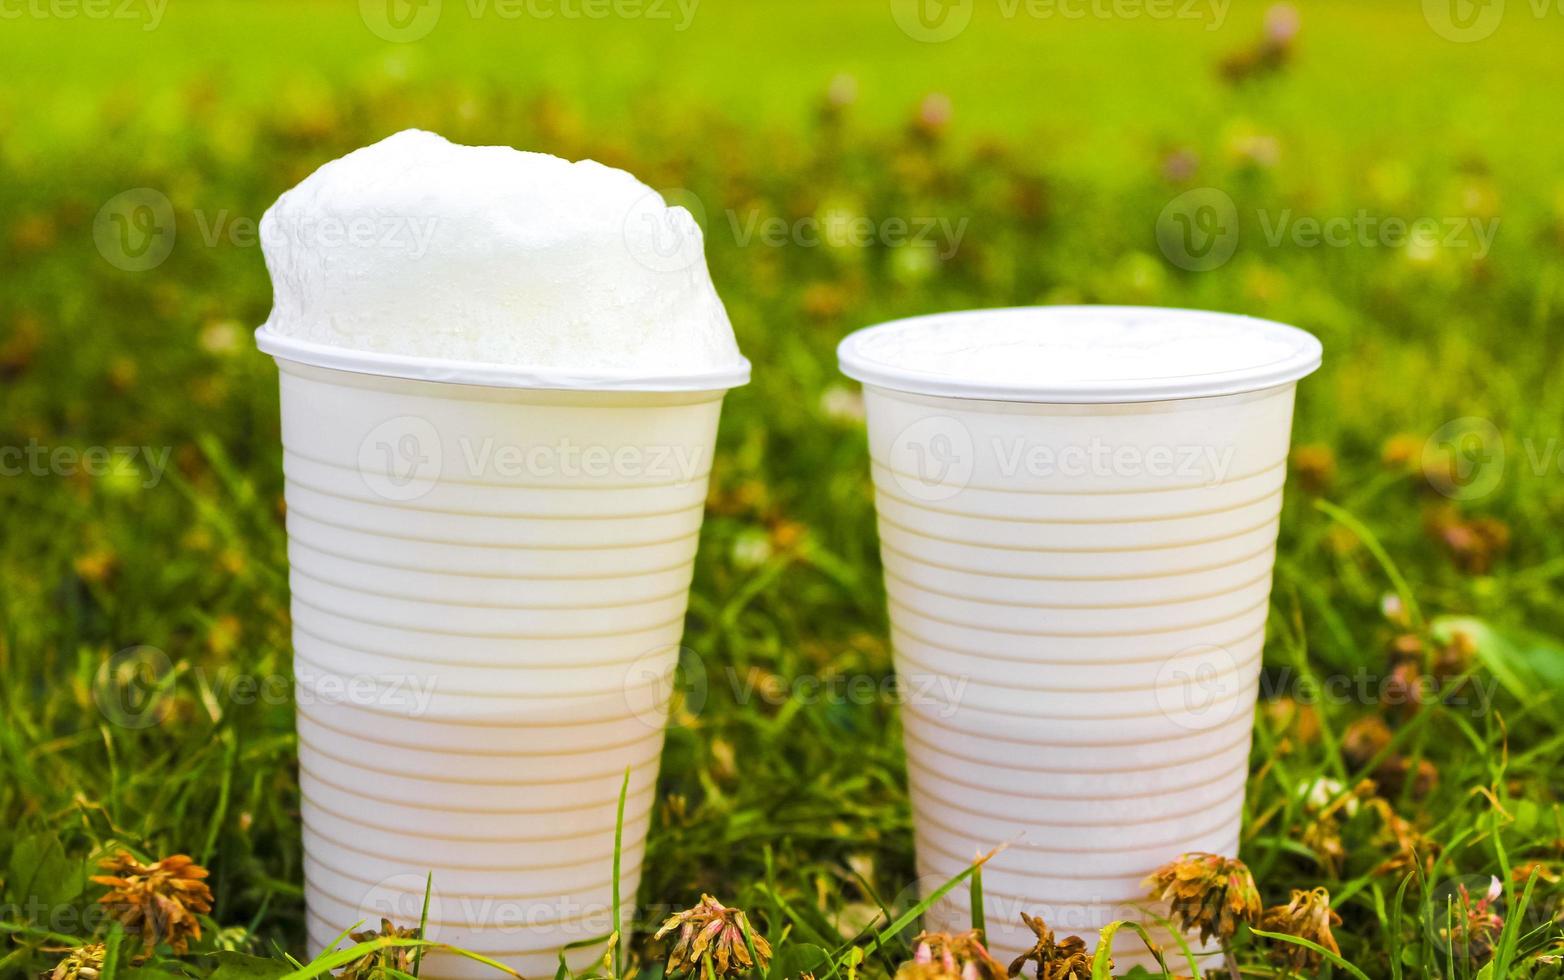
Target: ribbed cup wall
x,y
489,588
1078,596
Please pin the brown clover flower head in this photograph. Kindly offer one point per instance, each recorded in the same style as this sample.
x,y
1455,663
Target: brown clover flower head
x,y
1315,467
1326,806
1365,738
1408,846
1402,451
81,963
1474,544
1065,960
1308,916
379,962
711,932
1545,874
950,956
160,900
1207,892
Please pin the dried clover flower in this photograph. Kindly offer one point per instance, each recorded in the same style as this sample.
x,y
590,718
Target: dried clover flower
x,y
1064,960
1208,893
1522,873
160,900
81,963
1409,847
378,963
1326,804
713,933
1308,916
950,956
1315,467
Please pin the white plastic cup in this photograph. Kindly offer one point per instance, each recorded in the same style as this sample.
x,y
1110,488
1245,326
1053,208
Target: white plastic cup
x,y
490,569
1078,513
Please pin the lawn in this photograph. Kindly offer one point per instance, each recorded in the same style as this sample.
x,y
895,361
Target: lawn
x,y
144,634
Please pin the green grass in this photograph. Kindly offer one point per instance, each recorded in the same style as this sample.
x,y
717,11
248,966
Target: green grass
x,y
794,807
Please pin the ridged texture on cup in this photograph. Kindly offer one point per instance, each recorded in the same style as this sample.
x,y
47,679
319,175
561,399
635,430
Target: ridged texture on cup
x,y
489,588
1078,598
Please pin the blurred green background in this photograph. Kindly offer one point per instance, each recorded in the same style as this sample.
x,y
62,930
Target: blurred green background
x,y
1171,153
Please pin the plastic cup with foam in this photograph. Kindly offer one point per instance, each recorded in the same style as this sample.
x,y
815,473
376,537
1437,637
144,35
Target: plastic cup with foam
x,y
501,375
1078,512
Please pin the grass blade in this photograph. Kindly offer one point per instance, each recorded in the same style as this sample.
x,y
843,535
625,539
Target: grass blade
x,y
1103,957
326,962
423,923
976,893
1371,542
618,938
907,918
111,953
1393,928
1282,937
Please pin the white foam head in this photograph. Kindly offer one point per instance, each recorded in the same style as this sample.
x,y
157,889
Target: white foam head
x,y
420,247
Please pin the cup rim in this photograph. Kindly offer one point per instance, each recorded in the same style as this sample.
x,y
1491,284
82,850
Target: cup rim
x,y
450,371
1302,357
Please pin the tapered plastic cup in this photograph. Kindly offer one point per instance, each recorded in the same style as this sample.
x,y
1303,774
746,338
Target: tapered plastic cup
x,y
490,570
1078,514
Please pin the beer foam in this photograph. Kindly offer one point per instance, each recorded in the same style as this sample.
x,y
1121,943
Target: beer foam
x,y
419,246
